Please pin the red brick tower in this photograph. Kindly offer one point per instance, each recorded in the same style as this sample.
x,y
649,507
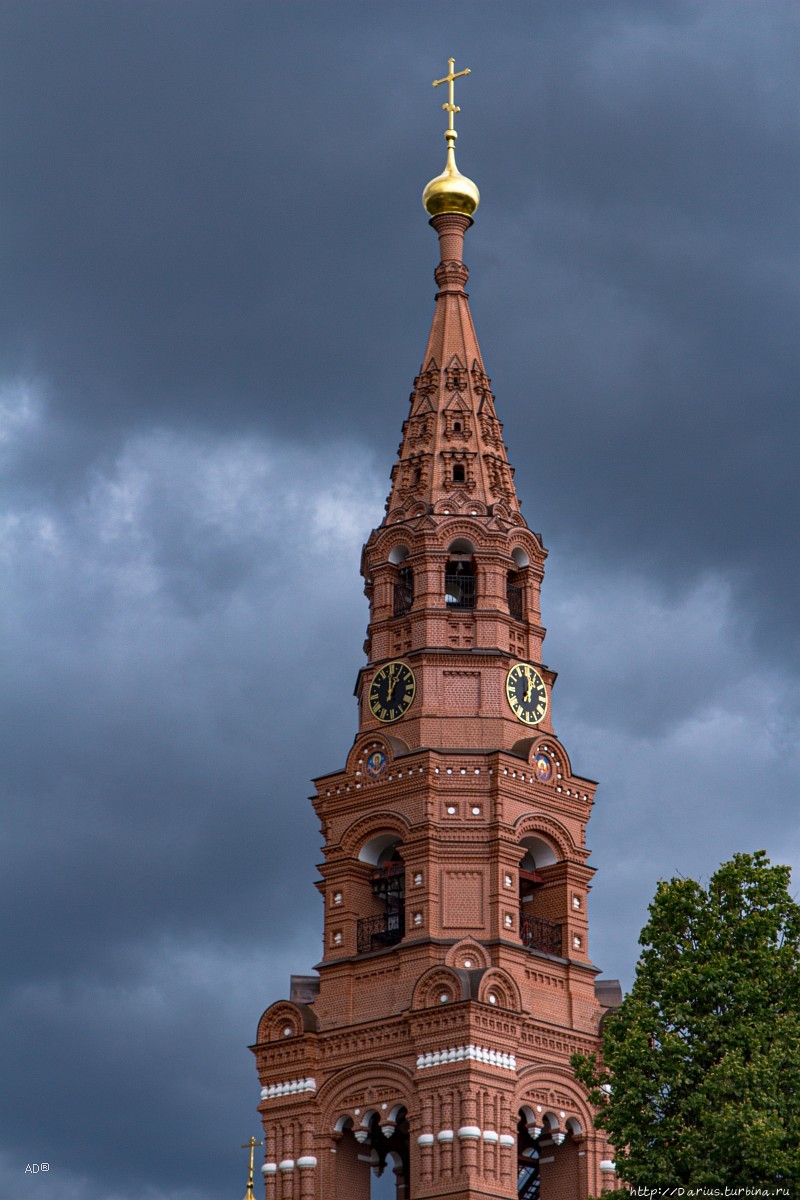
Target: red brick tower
x,y
456,980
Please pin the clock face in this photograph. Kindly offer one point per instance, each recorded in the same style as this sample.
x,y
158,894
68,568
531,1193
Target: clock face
x,y
392,691
526,693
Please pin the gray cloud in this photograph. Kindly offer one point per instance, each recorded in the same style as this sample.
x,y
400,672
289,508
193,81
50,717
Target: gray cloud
x,y
216,287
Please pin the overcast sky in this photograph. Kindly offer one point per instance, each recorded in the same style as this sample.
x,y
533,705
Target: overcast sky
x,y
216,286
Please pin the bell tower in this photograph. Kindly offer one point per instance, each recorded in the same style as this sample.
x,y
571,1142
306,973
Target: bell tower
x,y
433,1044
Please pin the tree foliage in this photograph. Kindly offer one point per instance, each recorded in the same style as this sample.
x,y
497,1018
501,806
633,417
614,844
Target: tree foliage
x,y
703,1057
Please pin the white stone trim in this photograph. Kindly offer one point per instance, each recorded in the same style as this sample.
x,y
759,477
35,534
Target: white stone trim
x,y
491,1136
444,1135
290,1088
308,1160
467,1132
425,1139
608,1165
494,1058
287,1164
269,1169
507,1140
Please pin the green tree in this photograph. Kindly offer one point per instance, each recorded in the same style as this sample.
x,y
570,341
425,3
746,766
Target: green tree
x,y
703,1056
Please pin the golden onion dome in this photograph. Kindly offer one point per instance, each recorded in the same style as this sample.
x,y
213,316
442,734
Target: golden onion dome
x,y
451,192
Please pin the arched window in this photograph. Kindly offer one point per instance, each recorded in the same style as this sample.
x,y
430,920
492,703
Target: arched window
x,y
515,594
388,883
515,584
403,591
459,575
459,473
528,1178
535,931
404,581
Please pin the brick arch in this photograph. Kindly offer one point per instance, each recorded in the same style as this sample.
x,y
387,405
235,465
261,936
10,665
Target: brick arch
x,y
557,1090
407,510
542,823
458,526
498,983
529,747
281,1016
381,1082
524,539
468,949
383,821
436,982
362,747
391,536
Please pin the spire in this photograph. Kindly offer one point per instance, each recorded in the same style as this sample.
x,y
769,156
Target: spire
x,y
452,445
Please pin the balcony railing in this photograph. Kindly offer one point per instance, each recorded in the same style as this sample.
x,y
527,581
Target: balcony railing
x,y
460,591
386,929
403,599
538,934
514,595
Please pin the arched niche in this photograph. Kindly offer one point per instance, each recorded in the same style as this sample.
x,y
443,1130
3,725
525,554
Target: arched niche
x,y
379,849
537,854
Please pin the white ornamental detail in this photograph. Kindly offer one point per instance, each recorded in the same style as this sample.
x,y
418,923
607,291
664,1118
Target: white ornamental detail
x,y
493,1058
290,1088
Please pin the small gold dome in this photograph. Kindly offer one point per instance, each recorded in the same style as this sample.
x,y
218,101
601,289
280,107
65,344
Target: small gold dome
x,y
451,192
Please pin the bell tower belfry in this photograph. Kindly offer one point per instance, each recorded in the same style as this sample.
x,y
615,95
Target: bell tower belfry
x,y
455,982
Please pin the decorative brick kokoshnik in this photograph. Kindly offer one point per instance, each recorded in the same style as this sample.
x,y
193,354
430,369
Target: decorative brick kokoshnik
x,y
455,981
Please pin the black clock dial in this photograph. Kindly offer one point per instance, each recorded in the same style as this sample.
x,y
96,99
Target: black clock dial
x,y
392,691
526,693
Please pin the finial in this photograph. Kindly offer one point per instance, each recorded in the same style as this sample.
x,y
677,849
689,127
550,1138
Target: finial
x,y
251,1146
451,191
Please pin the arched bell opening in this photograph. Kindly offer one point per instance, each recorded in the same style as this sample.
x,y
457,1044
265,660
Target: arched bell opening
x,y
403,581
528,1170
389,1140
538,930
516,579
386,926
459,575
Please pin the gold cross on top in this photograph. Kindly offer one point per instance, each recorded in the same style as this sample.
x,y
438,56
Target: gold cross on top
x,y
251,1146
451,107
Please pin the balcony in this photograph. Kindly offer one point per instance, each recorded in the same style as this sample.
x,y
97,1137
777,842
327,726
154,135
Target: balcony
x,y
386,929
538,934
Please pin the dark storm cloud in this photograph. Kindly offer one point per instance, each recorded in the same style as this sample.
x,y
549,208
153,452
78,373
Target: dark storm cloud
x,y
217,283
